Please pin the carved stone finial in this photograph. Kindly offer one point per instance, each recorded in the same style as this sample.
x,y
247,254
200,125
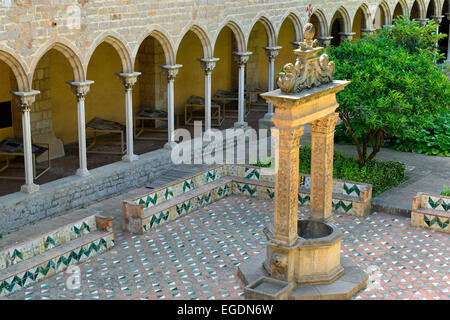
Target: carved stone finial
x,y
310,70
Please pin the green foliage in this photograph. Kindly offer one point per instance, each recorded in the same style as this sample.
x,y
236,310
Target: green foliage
x,y
415,38
396,90
427,134
446,191
382,175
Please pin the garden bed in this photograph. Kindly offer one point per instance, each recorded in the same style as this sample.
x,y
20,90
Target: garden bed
x,y
383,175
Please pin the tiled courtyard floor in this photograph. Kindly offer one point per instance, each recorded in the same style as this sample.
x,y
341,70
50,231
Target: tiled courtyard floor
x,y
196,257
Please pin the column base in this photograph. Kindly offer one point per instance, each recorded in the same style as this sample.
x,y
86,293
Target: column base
x,y
170,145
29,188
242,125
266,122
83,172
130,158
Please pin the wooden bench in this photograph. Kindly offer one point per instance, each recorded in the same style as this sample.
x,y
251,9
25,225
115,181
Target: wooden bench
x,y
431,212
11,148
194,109
38,251
99,125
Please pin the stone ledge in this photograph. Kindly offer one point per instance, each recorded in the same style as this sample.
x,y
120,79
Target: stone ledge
x,y
353,280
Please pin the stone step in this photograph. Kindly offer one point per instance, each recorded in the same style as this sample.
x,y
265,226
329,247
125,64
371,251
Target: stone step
x,y
54,261
38,238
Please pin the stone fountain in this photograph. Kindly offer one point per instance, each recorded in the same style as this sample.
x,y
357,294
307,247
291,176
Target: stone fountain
x,y
303,258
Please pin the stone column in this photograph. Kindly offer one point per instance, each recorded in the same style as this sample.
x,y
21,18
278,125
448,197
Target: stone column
x,y
322,151
286,186
324,41
128,80
271,53
346,36
438,20
171,72
241,58
24,100
80,90
208,65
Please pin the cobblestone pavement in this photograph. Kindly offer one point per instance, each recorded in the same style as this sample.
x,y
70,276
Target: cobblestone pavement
x,y
196,257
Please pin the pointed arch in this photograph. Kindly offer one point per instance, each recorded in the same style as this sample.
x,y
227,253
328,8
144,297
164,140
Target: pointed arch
x,y
237,32
385,12
68,51
167,45
421,8
117,43
404,6
367,17
347,22
323,24
268,27
202,35
17,67
298,29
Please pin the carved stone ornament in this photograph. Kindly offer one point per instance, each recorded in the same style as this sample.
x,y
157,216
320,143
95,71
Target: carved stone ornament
x,y
309,70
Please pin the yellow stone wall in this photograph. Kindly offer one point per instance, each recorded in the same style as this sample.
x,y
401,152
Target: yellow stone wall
x,y
5,88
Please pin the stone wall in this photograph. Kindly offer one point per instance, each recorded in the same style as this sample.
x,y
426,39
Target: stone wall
x,y
29,28
57,197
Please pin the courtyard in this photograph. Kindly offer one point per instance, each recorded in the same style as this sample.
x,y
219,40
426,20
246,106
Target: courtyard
x,y
196,257
203,151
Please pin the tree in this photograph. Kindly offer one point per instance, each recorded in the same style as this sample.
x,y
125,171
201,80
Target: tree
x,y
394,82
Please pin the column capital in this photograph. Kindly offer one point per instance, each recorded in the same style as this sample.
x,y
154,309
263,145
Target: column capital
x,y
289,138
208,64
128,79
25,99
324,41
346,35
271,52
422,21
325,124
80,88
170,70
295,44
368,30
437,19
241,57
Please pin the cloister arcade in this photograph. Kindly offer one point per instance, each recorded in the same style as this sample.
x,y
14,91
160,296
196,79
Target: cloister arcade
x,y
51,97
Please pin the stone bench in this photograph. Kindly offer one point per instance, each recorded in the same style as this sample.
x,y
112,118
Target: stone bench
x,y
353,198
170,202
431,212
36,252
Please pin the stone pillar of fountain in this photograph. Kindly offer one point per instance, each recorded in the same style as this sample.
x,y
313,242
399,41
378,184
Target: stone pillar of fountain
x,y
302,258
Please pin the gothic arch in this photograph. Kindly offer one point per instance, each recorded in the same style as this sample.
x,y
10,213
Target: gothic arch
x,y
237,32
204,39
163,40
268,27
119,44
68,51
298,29
17,68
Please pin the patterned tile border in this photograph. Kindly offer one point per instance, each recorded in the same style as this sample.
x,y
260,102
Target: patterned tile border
x,y
45,242
56,265
431,212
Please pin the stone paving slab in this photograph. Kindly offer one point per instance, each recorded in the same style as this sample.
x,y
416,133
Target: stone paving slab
x,y
196,257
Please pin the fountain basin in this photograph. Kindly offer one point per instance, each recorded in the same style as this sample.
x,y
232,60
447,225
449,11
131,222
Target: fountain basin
x,y
314,259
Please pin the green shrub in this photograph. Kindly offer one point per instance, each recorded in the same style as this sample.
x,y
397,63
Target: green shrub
x,y
381,174
396,91
446,191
